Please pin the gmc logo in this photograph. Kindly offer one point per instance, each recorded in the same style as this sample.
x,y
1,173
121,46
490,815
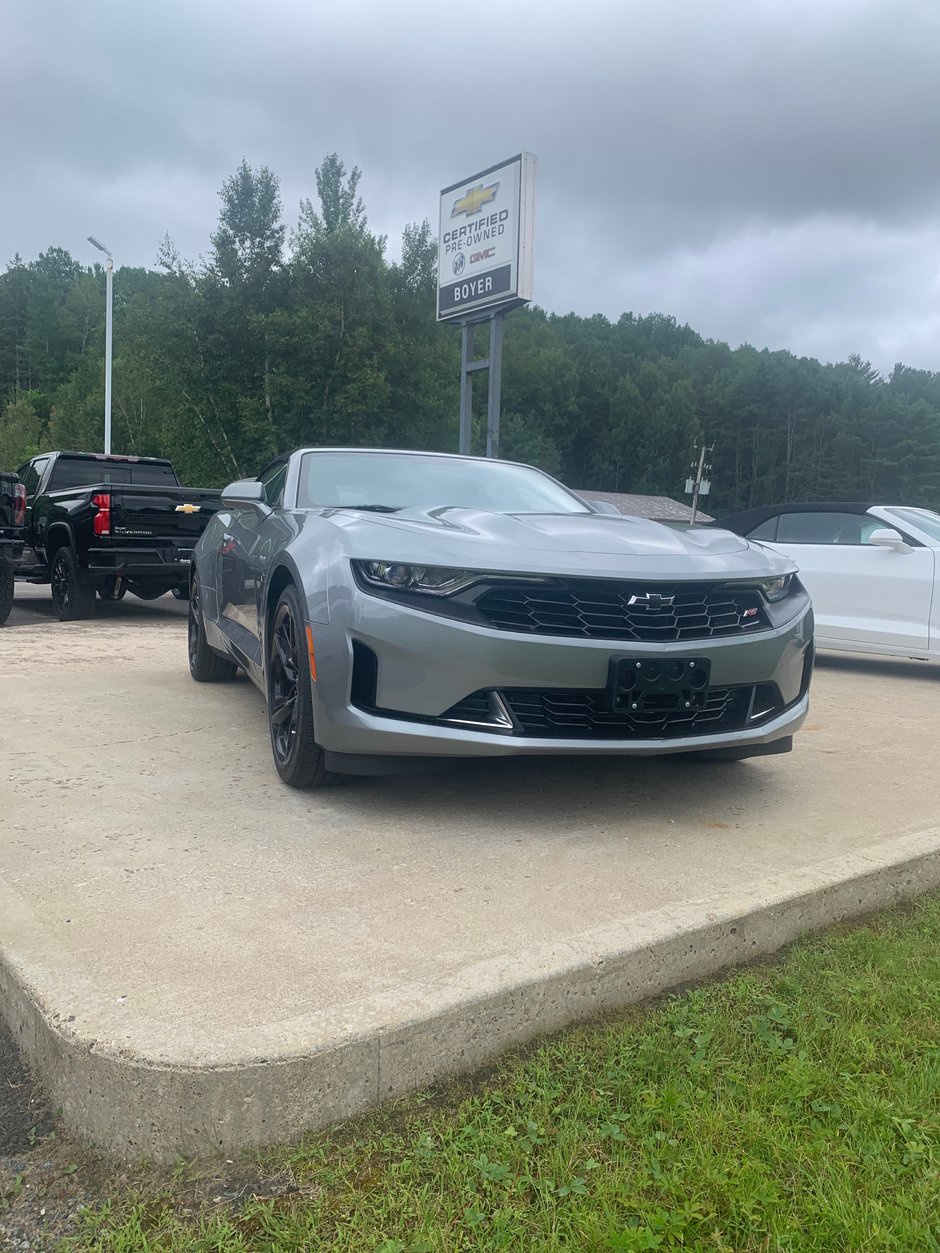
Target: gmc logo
x,y
482,256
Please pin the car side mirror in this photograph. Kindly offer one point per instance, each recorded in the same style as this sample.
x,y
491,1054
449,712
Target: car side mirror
x,y
888,537
245,494
605,506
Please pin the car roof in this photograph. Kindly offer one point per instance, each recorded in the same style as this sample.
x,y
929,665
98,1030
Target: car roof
x,y
750,518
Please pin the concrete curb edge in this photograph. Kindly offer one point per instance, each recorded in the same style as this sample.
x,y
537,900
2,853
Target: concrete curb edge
x,y
129,1108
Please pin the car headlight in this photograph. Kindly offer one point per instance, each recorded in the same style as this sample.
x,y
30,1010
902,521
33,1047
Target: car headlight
x,y
776,588
437,580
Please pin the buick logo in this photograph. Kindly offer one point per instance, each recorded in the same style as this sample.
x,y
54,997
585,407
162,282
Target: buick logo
x,y
651,600
459,262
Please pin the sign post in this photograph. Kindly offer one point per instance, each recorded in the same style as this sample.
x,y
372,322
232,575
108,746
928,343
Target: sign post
x,y
485,266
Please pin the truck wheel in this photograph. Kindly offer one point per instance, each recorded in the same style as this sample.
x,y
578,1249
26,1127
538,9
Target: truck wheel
x,y
70,599
297,755
112,589
205,665
6,591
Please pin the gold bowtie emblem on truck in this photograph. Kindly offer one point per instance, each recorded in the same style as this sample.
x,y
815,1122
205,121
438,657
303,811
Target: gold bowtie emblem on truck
x,y
188,508
474,200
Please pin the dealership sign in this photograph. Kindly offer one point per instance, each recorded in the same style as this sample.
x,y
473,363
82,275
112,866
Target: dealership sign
x,y
484,254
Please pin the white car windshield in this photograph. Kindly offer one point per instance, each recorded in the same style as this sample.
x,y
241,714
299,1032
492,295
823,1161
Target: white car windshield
x,y
924,519
392,481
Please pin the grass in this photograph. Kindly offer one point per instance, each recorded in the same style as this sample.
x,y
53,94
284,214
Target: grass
x,y
794,1106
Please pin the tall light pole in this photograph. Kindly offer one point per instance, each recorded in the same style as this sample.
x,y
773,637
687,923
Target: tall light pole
x,y
107,344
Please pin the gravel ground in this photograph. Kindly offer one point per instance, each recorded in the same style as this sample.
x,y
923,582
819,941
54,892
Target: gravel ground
x,y
46,1178
39,1188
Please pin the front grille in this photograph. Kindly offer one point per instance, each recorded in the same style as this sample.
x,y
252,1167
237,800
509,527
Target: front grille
x,y
601,609
475,708
583,714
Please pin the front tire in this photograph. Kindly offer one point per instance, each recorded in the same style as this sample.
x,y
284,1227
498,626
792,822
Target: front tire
x,y
205,665
297,756
71,599
6,591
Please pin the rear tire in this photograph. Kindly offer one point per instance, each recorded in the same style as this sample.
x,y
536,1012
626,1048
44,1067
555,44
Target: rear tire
x,y
71,599
297,756
205,665
6,591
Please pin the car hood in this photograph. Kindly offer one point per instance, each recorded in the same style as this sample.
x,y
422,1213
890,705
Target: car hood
x,y
589,545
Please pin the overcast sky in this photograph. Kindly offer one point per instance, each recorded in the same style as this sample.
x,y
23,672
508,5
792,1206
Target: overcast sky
x,y
765,170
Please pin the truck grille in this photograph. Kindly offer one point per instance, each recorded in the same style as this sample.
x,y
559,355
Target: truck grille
x,y
601,609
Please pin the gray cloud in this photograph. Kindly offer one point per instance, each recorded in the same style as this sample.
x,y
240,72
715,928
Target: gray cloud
x,y
763,170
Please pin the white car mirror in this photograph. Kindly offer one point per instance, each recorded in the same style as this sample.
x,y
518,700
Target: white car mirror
x,y
887,537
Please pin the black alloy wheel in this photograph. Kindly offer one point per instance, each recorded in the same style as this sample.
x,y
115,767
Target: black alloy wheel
x,y
297,756
205,665
71,599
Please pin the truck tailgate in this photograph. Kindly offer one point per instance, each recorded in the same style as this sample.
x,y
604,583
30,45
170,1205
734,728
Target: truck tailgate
x,y
179,514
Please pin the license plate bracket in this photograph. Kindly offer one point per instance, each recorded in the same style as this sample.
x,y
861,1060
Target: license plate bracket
x,y
657,684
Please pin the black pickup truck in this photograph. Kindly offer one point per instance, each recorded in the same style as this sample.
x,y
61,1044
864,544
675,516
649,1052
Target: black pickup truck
x,y
104,524
12,518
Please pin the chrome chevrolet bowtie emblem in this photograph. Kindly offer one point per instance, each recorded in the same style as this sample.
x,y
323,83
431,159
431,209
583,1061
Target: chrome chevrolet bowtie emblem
x,y
651,600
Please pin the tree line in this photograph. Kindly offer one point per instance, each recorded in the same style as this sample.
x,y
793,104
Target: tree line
x,y
279,338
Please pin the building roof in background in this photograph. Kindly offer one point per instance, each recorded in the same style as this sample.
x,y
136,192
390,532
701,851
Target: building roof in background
x,y
658,508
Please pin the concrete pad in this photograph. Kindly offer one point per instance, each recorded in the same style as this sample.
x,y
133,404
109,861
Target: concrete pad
x,y
197,959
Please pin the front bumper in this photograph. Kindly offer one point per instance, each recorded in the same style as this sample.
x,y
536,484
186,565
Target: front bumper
x,y
423,666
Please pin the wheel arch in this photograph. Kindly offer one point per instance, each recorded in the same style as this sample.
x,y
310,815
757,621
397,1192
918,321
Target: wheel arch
x,y
282,576
58,536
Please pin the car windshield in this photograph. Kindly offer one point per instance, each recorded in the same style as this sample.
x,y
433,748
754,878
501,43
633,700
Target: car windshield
x,y
413,481
924,519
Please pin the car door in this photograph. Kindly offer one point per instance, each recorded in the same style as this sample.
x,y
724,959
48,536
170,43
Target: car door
x,y
244,551
864,595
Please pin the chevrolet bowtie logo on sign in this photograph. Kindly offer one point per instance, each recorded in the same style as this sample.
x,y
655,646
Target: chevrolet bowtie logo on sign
x,y
474,200
188,508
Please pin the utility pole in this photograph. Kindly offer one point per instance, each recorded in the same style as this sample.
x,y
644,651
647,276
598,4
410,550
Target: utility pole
x,y
699,484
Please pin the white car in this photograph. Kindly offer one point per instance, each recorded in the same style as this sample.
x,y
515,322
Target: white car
x,y
873,571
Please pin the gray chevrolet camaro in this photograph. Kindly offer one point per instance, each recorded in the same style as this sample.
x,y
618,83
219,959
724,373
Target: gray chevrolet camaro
x,y
401,605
